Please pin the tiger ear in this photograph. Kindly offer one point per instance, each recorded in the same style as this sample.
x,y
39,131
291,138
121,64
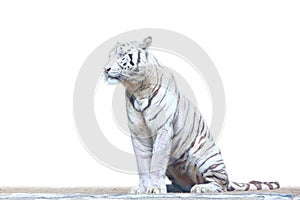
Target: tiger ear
x,y
146,42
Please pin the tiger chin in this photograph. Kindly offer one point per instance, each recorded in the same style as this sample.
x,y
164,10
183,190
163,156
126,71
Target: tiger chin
x,y
169,135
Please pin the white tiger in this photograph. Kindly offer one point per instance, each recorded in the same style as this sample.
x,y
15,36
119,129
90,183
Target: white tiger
x,y
169,135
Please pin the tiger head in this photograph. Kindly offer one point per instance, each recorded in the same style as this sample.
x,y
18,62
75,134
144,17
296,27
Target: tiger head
x,y
127,62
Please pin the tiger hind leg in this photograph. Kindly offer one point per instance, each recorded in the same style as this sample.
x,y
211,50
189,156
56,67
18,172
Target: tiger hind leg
x,y
212,169
215,183
207,188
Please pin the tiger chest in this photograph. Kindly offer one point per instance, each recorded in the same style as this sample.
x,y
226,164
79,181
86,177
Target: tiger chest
x,y
136,121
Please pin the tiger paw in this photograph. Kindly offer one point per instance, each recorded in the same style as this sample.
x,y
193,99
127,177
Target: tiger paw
x,y
134,190
156,190
206,188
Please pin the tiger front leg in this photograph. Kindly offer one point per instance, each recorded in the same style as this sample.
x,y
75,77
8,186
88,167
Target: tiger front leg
x,y
160,160
143,153
152,161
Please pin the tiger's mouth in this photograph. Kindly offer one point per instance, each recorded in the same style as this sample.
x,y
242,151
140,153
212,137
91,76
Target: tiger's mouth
x,y
113,77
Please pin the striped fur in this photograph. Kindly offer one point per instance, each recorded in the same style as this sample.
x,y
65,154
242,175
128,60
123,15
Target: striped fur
x,y
169,135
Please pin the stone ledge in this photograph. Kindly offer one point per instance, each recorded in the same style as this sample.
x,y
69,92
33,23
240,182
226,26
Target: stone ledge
x,y
260,196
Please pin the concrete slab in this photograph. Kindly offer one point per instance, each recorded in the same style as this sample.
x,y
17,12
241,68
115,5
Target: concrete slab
x,y
74,193
260,196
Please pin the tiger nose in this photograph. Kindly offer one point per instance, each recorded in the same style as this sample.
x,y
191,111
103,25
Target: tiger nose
x,y
107,69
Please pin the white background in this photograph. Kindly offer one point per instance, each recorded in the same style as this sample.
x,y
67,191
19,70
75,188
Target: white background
x,y
255,46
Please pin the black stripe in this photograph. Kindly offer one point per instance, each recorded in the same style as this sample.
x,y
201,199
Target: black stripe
x,y
239,184
181,160
199,123
165,92
257,184
190,133
154,93
199,179
230,188
139,57
201,138
193,126
247,187
150,99
269,185
131,97
177,133
177,109
277,184
129,119
158,82
208,159
192,144
202,128
200,146
225,180
164,123
154,117
131,62
210,168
